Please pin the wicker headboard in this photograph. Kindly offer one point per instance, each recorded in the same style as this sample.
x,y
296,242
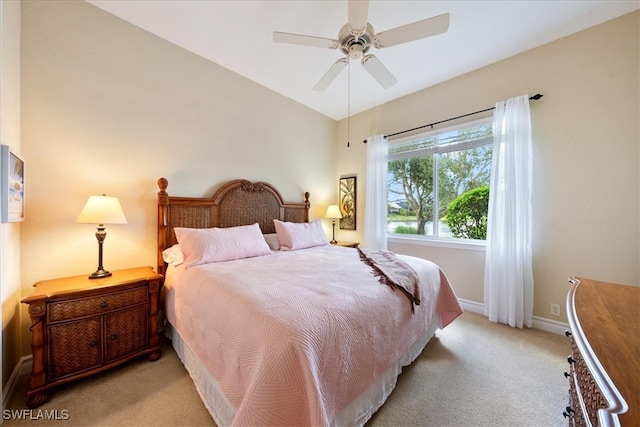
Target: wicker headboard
x,y
238,202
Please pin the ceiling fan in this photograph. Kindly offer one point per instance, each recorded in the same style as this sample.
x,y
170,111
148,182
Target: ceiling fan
x,y
357,37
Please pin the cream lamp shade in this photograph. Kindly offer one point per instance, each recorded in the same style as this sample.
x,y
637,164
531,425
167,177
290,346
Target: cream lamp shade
x,y
102,210
333,212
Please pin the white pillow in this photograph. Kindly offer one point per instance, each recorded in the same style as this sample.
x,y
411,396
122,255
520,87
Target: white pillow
x,y
205,245
173,255
300,235
273,241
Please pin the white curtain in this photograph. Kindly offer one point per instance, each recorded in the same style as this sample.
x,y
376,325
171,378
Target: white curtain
x,y
508,278
375,212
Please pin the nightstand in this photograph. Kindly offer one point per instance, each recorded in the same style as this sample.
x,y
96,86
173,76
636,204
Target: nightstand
x,y
346,244
82,326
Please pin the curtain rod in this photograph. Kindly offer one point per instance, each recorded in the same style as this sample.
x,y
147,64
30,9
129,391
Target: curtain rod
x,y
534,98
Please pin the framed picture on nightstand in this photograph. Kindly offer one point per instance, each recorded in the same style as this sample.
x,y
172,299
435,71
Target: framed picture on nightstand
x,y
12,183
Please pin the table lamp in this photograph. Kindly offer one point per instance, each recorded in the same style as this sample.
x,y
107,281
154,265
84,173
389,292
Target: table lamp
x,y
333,212
101,210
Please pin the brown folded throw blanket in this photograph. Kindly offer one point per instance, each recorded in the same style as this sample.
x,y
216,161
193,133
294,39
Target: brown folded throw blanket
x,y
394,272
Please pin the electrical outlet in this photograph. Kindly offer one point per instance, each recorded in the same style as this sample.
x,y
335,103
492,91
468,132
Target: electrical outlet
x,y
555,309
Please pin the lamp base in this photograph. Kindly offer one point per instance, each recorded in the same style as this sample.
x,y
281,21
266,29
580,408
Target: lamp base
x,y
333,236
99,274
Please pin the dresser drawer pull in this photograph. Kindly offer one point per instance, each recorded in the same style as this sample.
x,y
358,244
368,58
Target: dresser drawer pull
x,y
103,304
567,374
571,360
93,343
113,336
567,333
568,411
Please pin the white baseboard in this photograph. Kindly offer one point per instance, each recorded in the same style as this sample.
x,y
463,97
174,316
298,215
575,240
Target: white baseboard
x,y
550,325
541,323
472,306
22,368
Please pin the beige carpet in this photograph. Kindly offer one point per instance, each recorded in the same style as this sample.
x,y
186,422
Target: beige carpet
x,y
473,373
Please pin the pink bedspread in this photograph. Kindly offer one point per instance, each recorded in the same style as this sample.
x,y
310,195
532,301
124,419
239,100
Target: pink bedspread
x,y
294,337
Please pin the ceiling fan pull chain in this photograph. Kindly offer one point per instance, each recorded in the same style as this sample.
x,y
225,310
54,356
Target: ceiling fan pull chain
x,y
349,105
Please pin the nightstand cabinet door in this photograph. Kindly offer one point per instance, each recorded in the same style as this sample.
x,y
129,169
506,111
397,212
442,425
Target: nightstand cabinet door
x,y
74,347
126,332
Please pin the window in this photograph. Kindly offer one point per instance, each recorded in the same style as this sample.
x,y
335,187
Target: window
x,y
441,177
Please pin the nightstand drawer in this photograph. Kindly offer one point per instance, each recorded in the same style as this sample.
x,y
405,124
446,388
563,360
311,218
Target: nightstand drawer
x,y
82,307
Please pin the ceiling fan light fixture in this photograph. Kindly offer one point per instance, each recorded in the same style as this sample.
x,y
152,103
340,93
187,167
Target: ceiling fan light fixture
x,y
355,51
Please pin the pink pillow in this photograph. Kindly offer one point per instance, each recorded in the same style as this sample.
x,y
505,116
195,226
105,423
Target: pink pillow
x,y
205,245
300,235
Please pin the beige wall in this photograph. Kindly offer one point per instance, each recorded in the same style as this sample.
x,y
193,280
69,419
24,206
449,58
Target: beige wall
x,y
107,107
10,232
586,157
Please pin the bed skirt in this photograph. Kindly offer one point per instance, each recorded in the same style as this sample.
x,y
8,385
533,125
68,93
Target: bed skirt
x,y
357,412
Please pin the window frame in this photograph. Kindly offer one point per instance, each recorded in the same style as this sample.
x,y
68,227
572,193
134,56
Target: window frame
x,y
450,242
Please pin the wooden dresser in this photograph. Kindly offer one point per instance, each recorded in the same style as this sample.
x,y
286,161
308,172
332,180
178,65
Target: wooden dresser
x,y
81,326
604,373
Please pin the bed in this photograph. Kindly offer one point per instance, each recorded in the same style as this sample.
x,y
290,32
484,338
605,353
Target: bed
x,y
300,333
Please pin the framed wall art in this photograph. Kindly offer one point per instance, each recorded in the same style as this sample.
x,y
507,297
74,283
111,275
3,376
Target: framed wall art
x,y
12,182
348,202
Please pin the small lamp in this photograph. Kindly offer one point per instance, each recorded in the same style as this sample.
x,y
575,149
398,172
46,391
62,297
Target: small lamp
x,y
101,210
333,212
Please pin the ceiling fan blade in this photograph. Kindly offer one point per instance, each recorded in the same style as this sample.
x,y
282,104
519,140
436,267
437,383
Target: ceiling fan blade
x,y
279,37
331,75
414,31
358,15
379,72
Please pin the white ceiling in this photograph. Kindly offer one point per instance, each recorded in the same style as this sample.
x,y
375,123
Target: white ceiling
x,y
238,36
